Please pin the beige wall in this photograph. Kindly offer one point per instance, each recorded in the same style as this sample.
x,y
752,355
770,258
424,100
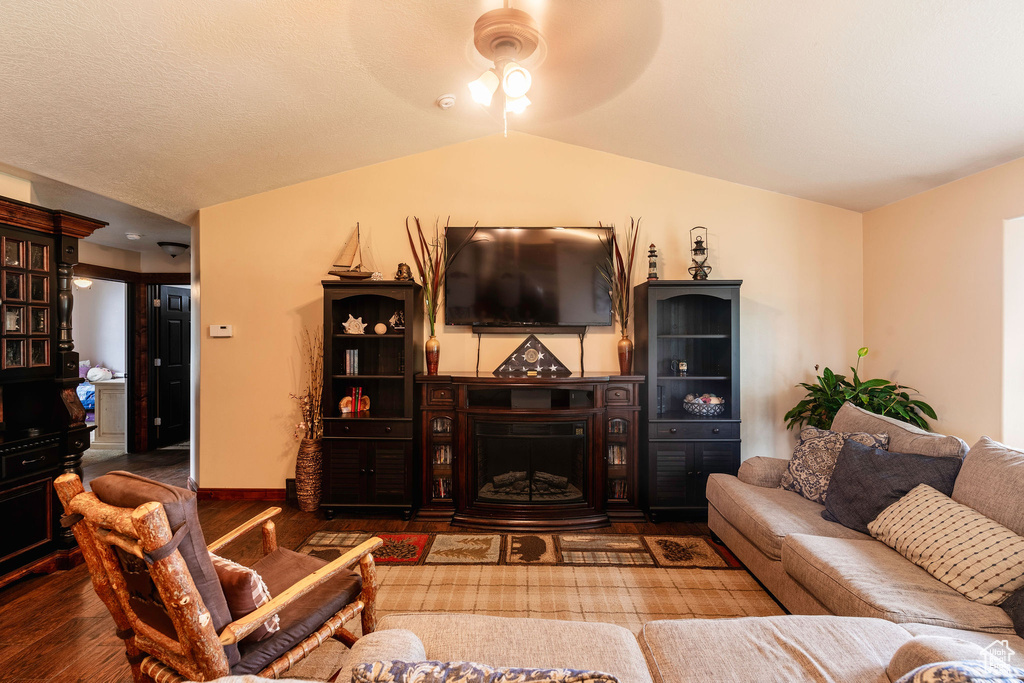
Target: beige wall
x,y
15,188
933,295
262,257
1013,332
99,325
134,261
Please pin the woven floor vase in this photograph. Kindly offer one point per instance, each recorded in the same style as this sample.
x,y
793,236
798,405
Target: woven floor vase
x,y
308,474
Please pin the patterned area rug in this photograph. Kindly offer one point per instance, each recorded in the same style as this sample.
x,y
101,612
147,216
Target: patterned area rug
x,y
573,549
627,596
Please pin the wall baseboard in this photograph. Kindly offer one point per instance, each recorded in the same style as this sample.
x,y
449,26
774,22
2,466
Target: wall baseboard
x,y
241,494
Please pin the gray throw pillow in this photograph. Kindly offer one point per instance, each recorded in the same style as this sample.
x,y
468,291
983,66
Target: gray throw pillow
x,y
1014,606
867,480
814,458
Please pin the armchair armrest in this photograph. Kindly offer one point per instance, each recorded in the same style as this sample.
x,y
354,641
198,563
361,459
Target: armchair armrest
x,y
248,526
242,627
764,472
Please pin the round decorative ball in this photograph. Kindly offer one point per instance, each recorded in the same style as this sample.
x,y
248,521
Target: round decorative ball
x,y
380,328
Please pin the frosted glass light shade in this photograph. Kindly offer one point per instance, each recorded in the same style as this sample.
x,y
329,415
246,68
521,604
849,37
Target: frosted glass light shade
x,y
482,89
516,80
517,105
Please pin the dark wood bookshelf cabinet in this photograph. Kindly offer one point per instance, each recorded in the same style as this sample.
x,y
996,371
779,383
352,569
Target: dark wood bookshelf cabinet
x,y
696,322
368,461
42,422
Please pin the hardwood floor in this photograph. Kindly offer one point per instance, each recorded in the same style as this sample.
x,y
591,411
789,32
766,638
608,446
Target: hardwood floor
x,y
54,627
169,466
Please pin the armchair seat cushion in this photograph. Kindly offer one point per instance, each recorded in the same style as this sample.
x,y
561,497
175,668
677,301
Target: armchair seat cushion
x,y
280,570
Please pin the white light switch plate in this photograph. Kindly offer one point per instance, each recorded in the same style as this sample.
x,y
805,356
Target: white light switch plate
x,y
221,331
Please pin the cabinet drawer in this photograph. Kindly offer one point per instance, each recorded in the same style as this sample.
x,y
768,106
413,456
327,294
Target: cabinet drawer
x,y
438,395
369,428
618,395
695,430
27,461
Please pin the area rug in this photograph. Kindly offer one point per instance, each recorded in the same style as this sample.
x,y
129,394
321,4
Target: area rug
x,y
627,596
567,549
93,456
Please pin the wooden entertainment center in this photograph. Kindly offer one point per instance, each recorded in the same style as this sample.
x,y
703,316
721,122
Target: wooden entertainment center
x,y
529,452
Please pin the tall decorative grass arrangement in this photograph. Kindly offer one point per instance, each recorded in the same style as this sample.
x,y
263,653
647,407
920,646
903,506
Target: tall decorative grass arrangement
x,y
619,272
432,259
311,399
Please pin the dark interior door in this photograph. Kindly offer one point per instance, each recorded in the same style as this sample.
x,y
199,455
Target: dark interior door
x,y
174,346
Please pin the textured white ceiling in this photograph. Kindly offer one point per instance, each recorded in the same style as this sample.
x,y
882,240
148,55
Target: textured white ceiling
x,y
179,104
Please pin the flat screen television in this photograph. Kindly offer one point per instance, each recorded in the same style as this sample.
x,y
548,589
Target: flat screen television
x,y
528,277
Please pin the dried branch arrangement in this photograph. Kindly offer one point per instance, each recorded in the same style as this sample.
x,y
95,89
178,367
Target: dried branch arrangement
x,y
619,272
310,400
432,259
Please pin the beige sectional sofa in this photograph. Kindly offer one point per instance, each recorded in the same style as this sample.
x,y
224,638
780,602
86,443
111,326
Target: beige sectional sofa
x,y
813,566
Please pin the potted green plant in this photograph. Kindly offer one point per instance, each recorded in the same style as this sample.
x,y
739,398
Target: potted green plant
x,y
881,396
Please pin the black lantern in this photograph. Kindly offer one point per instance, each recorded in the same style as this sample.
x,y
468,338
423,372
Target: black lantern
x,y
698,247
652,263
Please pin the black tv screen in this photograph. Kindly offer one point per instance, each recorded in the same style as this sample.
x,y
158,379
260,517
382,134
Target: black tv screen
x,y
518,277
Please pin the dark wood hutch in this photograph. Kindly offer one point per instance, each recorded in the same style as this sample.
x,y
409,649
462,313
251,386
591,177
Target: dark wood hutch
x,y
529,452
42,422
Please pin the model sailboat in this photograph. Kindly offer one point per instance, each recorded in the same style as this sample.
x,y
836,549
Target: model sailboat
x,y
351,266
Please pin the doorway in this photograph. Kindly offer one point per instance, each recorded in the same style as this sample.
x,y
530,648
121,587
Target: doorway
x,y
154,312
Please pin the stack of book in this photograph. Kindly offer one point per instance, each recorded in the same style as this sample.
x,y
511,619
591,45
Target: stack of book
x,y
351,361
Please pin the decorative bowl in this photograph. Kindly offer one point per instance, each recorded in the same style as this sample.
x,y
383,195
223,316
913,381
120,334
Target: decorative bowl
x,y
704,409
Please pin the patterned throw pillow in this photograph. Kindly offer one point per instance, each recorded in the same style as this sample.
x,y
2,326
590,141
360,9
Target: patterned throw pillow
x,y
468,672
964,672
245,591
957,545
814,458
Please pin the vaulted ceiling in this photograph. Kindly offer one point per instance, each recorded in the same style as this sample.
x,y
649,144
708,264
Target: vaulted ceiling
x,y
174,105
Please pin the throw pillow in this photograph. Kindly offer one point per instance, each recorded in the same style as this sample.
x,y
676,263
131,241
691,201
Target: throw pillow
x,y
957,545
964,672
245,592
468,672
867,480
814,458
1014,606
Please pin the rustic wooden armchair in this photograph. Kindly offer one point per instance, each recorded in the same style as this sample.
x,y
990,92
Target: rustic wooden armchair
x,y
151,567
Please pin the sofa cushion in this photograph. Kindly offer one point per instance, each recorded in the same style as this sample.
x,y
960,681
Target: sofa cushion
x,y
789,648
468,672
766,516
127,490
984,640
957,545
922,650
865,578
903,437
381,645
991,482
814,458
868,480
535,643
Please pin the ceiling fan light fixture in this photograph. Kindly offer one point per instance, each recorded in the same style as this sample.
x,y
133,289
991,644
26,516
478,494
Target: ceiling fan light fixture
x,y
517,105
516,80
483,88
